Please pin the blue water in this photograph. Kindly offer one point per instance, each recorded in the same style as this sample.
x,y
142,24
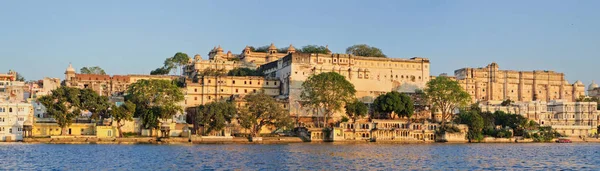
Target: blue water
x,y
302,156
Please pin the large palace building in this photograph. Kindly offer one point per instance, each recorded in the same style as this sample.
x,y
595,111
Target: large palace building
x,y
490,83
371,76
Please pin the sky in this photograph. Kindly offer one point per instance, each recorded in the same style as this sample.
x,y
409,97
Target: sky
x,y
40,38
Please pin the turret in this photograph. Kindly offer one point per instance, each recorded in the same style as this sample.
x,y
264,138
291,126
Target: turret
x,y
291,49
272,49
69,73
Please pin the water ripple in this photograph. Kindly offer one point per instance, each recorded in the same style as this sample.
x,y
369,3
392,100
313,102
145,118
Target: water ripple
x,y
16,156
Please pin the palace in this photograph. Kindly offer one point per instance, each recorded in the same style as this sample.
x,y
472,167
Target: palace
x,y
568,118
371,76
15,111
490,83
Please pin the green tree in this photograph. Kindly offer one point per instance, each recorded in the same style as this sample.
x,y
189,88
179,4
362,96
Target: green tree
x,y
475,123
506,102
262,110
327,91
92,70
214,116
160,71
154,100
446,95
398,103
93,102
244,72
65,103
180,59
260,49
314,49
356,109
20,77
121,113
364,50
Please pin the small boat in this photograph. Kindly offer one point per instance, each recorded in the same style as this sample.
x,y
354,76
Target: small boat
x,y
563,140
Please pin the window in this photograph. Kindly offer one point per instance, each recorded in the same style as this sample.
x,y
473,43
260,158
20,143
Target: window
x,y
233,82
10,109
245,91
195,98
267,83
236,90
109,133
250,82
9,130
245,82
208,81
208,97
275,83
254,91
195,90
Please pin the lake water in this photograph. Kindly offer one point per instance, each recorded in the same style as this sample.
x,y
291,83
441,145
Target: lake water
x,y
301,156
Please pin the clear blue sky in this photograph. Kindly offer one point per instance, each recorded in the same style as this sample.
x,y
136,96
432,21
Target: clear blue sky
x,y
40,38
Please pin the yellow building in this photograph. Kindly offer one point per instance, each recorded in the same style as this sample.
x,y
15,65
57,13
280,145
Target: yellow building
x,y
106,132
490,83
52,129
211,88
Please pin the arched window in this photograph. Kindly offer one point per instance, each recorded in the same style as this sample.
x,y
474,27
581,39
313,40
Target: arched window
x,y
10,109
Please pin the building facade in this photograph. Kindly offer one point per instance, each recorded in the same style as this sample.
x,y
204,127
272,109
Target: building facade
x,y
107,85
491,83
568,118
371,76
13,115
214,88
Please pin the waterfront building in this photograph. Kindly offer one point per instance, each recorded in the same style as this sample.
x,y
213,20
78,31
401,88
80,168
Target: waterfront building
x,y
568,118
43,87
371,76
491,83
13,117
389,130
214,88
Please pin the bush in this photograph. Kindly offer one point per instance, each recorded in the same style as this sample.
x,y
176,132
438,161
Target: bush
x,y
129,134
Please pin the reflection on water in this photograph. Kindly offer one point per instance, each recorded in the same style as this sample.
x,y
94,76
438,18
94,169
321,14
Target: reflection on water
x,y
301,157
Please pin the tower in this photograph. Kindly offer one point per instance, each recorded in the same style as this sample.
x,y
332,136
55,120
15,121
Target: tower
x,y
69,73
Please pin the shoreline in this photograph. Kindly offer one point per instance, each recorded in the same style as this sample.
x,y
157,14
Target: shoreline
x,y
240,140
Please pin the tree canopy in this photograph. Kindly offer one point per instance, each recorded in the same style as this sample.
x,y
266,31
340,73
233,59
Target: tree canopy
x,y
92,70
244,72
364,50
20,77
65,103
356,109
154,100
314,49
214,116
446,95
121,113
160,71
327,91
398,103
262,110
176,62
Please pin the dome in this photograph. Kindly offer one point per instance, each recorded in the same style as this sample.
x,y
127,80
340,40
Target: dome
x,y
291,48
197,57
592,86
70,68
219,49
272,47
28,122
578,82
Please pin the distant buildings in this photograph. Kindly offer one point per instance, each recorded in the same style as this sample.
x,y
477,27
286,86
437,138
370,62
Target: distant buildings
x,y
15,111
568,118
490,83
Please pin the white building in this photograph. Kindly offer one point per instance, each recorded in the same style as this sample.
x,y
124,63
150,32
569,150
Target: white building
x,y
12,118
567,118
